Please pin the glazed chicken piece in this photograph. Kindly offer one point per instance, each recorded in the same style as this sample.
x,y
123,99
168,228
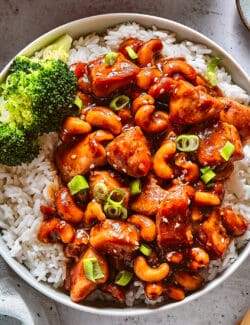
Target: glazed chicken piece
x,y
148,201
172,220
188,104
78,157
213,234
236,114
107,78
111,180
235,223
114,237
213,138
129,153
80,242
80,285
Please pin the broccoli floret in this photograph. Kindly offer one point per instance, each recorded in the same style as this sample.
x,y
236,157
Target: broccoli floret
x,y
40,95
15,146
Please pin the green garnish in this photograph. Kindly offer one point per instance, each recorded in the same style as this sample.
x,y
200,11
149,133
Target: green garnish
x,y
119,102
116,197
112,211
124,213
210,73
135,187
77,184
145,249
92,269
78,102
208,176
110,58
227,151
100,192
131,53
123,278
187,142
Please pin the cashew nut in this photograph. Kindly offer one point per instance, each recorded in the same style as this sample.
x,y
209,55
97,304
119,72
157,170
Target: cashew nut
x,y
104,118
189,282
66,207
174,257
147,273
175,293
161,166
56,228
206,199
191,170
146,77
73,126
74,248
147,52
153,290
142,99
146,225
151,121
93,212
199,258
172,66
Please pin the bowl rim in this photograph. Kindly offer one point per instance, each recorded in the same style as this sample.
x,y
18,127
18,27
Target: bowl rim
x,y
111,20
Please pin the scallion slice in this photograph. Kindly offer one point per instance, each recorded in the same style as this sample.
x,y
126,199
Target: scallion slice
x,y
210,74
135,187
92,269
208,176
187,142
112,211
77,184
123,278
78,102
116,197
145,249
100,192
131,53
119,102
124,213
227,151
110,58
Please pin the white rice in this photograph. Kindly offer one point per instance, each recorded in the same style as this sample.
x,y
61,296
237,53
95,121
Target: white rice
x,y
26,187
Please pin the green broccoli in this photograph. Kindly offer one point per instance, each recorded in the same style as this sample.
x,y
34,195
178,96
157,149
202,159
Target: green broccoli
x,y
16,146
35,98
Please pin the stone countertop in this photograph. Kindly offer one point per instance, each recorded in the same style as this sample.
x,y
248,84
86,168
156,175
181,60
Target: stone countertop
x,y
23,21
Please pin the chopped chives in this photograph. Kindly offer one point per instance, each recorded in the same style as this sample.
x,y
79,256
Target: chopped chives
x,y
77,184
116,197
227,151
123,278
78,102
112,211
110,58
145,249
92,269
100,192
119,102
131,53
135,187
210,74
187,142
208,176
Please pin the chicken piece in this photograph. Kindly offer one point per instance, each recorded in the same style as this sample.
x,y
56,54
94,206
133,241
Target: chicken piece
x,y
213,234
236,114
129,153
172,220
80,285
80,242
213,138
107,78
78,157
148,201
111,180
114,237
235,223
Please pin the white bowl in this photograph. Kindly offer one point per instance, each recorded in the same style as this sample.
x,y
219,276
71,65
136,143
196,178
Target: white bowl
x,y
99,24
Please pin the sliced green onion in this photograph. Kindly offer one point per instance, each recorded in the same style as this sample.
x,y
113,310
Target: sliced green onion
x,y
112,211
205,169
124,213
116,197
77,184
187,142
92,269
145,249
210,74
119,102
123,278
208,176
131,53
100,192
110,58
78,102
210,185
135,187
227,151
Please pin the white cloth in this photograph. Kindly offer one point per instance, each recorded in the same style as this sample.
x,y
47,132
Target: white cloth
x,y
20,301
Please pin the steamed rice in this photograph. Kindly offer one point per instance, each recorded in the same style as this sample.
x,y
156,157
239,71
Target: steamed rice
x,y
26,187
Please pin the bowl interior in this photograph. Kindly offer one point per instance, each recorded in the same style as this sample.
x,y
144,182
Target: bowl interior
x,y
99,24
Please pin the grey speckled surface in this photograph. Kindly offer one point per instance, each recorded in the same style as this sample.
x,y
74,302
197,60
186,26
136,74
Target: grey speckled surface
x,y
22,21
